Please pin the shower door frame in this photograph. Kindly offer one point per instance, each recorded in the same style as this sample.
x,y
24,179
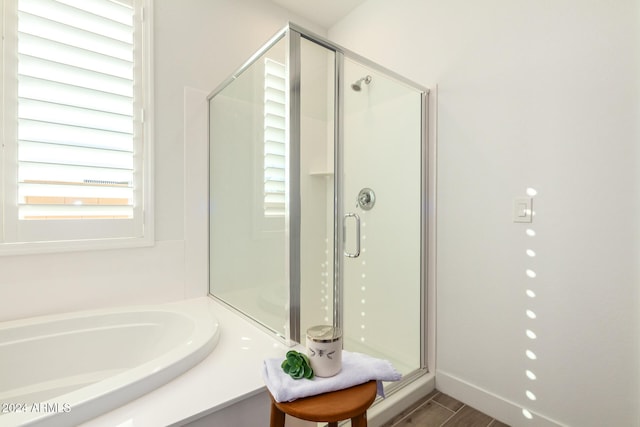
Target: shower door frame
x,y
427,187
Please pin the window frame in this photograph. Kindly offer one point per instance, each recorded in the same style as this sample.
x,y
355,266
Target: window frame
x,y
56,235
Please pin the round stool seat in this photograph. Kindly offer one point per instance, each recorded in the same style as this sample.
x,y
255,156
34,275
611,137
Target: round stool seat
x,y
350,403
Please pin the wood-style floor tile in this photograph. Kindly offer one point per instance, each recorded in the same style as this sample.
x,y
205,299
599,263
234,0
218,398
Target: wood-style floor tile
x,y
428,415
441,410
466,417
448,402
410,409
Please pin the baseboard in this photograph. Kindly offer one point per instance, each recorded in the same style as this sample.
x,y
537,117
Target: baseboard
x,y
498,407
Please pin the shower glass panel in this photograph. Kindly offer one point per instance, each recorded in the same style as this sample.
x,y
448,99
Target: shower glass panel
x,y
317,109
382,199
249,263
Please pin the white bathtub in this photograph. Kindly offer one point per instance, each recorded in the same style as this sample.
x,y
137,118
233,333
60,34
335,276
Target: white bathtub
x,y
62,370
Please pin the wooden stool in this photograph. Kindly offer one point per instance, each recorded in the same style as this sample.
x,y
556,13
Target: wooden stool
x,y
330,407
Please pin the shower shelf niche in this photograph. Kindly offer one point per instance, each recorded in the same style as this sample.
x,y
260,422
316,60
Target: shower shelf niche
x,y
321,173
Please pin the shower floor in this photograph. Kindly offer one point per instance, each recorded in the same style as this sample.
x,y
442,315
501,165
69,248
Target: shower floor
x,y
440,410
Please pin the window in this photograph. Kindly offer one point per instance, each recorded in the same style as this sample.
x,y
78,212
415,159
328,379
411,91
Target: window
x,y
76,158
274,138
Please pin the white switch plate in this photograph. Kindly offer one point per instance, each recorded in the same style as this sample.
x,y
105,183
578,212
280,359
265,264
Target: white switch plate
x,y
522,209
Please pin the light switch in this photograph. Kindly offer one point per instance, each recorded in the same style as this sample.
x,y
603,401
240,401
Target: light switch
x,y
523,209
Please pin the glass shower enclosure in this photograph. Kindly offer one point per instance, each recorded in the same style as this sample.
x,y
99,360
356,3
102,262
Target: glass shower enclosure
x,y
318,197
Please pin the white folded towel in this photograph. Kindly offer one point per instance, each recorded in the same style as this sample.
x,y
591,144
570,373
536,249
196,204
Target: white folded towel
x,y
357,368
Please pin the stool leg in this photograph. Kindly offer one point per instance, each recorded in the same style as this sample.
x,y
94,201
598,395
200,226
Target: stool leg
x,y
359,420
277,416
333,424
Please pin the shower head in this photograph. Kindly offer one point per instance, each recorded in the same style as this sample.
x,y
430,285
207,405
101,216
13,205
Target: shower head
x,y
357,86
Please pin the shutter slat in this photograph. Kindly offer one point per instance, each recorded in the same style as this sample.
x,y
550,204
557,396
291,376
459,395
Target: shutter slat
x,y
273,134
274,199
274,174
29,151
274,95
274,147
67,174
77,18
76,57
70,36
119,10
30,66
56,133
274,161
63,114
274,120
73,96
273,187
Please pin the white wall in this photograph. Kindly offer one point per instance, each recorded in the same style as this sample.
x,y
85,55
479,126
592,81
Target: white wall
x,y
198,43
540,94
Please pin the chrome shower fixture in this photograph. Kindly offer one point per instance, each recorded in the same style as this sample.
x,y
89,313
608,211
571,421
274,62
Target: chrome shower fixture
x,y
357,86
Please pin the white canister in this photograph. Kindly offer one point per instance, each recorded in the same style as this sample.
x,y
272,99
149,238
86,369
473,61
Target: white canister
x,y
324,348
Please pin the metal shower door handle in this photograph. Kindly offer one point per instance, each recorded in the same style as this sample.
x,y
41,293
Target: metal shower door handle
x,y
355,254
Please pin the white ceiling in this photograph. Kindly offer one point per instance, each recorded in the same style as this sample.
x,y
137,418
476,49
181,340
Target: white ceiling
x,y
322,12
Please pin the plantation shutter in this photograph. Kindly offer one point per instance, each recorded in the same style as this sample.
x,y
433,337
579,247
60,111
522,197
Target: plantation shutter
x,y
274,138
75,109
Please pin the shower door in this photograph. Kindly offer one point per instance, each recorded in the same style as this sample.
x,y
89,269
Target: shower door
x,y
381,198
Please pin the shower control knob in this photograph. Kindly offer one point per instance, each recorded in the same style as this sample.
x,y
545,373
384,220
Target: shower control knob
x,y
366,199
